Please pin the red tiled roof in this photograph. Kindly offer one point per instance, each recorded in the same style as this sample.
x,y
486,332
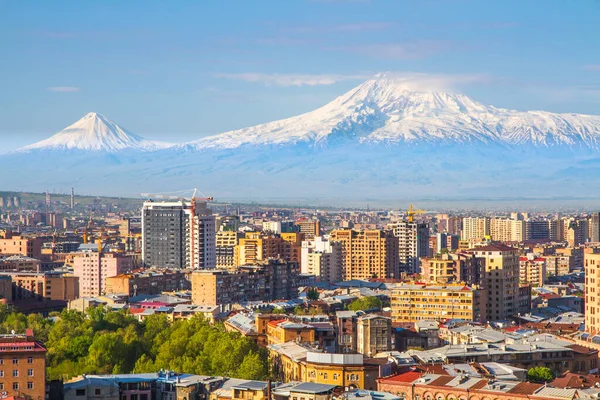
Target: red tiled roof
x,y
479,385
581,349
525,388
406,377
570,380
437,369
276,322
442,380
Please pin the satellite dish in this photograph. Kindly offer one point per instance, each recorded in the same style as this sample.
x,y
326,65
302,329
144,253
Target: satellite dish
x,y
13,331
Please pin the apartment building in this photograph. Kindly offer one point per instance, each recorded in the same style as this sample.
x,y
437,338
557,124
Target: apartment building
x,y
309,229
322,258
92,268
454,267
226,242
43,285
368,254
267,281
15,244
19,263
152,281
502,280
178,234
416,302
532,270
475,228
22,366
413,243
507,230
592,292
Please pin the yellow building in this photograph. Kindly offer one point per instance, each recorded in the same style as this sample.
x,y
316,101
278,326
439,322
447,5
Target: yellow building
x,y
416,302
282,331
591,262
249,249
298,362
368,254
226,242
501,280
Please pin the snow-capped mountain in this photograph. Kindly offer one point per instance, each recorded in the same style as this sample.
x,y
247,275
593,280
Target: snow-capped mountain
x,y
95,132
389,110
382,141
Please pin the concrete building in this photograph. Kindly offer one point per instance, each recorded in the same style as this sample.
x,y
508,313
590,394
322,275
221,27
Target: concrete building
x,y
14,244
322,258
20,263
475,228
177,235
226,242
413,243
537,229
309,229
43,285
592,292
594,227
153,281
576,231
24,360
532,270
502,280
410,303
267,281
507,230
373,334
94,267
368,254
454,267
272,227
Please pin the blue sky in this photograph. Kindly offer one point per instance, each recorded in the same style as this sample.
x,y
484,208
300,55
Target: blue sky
x,y
181,70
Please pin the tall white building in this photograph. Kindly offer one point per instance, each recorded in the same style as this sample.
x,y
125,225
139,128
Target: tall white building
x,y
322,258
475,228
413,243
507,230
177,235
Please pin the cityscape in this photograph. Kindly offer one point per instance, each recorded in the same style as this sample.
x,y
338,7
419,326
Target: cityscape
x,y
300,200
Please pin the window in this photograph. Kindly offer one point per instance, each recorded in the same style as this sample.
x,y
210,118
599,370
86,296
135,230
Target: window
x,y
80,392
29,372
1,374
97,391
29,385
15,373
15,360
29,360
15,385
1,386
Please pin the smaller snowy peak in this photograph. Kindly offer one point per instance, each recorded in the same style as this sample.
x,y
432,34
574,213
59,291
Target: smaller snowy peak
x,y
95,132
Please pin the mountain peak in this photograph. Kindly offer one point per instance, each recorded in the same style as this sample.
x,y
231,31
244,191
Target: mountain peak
x,y
95,132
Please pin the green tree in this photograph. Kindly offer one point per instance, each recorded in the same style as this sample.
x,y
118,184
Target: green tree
x,y
540,374
312,294
365,303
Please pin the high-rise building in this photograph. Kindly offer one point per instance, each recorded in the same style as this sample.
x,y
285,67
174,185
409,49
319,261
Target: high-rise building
x,y
537,229
576,231
177,235
594,226
556,229
502,280
592,292
322,258
368,254
507,230
475,228
413,243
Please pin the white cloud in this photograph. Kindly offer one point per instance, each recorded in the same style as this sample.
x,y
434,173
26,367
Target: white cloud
x,y
63,89
292,79
434,82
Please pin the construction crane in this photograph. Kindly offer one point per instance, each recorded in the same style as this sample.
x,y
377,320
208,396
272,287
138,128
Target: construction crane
x,y
412,212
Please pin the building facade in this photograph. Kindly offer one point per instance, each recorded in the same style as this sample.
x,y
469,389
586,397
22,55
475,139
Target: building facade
x,y
92,268
322,258
413,243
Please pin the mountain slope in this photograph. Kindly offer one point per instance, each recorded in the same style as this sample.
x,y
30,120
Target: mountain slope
x,y
390,111
94,132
